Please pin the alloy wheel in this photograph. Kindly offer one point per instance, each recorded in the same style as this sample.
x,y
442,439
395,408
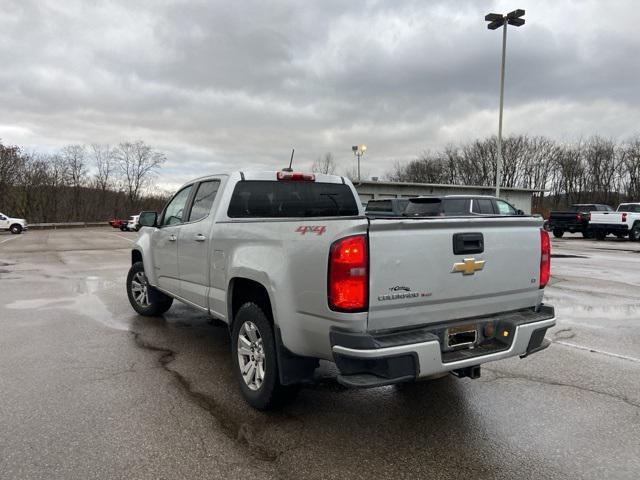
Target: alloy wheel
x,y
140,289
251,357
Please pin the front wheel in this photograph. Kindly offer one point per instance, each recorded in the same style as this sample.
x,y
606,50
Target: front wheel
x,y
558,233
634,234
255,365
145,299
16,229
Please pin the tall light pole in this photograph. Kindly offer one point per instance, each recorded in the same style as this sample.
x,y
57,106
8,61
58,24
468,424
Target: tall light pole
x,y
358,151
497,20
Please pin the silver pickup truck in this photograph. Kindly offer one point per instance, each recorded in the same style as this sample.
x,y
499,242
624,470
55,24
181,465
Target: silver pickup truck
x,y
298,272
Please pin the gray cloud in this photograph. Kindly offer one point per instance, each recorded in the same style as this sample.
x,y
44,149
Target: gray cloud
x,y
226,85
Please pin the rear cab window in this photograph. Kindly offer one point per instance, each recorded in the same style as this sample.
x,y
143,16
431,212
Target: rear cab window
x,y
282,199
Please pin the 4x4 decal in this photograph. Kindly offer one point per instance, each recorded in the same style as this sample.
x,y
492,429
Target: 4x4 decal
x,y
317,229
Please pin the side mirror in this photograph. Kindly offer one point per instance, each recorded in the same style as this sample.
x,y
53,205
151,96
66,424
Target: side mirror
x,y
519,212
148,219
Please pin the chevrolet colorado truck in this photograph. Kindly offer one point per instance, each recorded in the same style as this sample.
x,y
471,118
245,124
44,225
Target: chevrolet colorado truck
x,y
625,221
575,219
14,225
292,265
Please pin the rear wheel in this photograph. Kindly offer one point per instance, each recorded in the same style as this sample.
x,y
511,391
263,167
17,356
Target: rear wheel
x,y
600,235
16,229
587,234
558,233
145,299
254,358
634,234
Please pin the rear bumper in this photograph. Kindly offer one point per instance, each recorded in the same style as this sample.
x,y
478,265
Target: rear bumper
x,y
366,360
611,227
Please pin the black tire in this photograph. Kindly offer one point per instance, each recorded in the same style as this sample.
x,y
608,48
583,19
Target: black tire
x,y
634,234
123,228
620,235
16,229
600,235
156,302
587,234
558,233
269,393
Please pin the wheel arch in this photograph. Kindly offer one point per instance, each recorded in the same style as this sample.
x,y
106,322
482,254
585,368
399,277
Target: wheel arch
x,y
242,290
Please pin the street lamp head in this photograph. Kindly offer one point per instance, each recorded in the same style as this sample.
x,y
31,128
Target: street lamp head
x,y
363,148
516,22
493,17
354,148
515,14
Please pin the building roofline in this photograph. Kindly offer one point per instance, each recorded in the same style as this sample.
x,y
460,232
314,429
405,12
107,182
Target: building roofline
x,y
445,185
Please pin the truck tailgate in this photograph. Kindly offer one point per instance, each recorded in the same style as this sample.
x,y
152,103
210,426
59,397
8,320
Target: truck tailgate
x,y
600,218
417,279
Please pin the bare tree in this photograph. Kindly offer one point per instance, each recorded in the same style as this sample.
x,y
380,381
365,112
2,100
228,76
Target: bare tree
x,y
138,164
75,159
104,160
325,164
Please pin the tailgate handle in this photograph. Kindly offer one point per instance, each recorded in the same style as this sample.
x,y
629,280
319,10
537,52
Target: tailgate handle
x,y
464,243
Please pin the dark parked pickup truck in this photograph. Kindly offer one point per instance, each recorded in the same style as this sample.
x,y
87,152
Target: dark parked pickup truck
x,y
576,219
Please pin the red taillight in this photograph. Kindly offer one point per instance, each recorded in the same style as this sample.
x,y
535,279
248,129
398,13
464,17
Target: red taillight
x,y
624,217
545,258
296,176
348,282
579,217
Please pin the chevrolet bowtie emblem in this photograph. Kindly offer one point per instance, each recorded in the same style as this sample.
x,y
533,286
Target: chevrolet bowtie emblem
x,y
469,266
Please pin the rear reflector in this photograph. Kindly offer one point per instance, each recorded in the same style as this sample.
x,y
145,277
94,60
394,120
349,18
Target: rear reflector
x,y
296,177
545,258
348,279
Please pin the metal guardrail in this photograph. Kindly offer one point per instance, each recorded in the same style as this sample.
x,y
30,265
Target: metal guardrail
x,y
55,226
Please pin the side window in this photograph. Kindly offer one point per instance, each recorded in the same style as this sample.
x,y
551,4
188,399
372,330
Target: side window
x,y
456,206
504,208
483,206
175,209
203,200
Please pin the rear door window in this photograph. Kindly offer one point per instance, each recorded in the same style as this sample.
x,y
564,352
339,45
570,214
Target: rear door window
x,y
456,206
269,199
483,206
203,200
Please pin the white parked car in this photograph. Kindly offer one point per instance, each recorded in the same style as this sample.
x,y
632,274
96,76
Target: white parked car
x,y
298,272
132,224
14,225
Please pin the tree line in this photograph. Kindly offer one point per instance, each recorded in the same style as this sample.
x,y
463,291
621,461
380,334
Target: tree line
x,y
79,182
594,170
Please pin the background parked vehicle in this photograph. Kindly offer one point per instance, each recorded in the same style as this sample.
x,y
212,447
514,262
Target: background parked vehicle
x,y
458,205
132,224
575,219
118,223
14,225
625,221
388,207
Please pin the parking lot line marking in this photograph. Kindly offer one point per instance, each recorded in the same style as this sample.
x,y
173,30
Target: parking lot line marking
x,y
120,236
595,350
8,240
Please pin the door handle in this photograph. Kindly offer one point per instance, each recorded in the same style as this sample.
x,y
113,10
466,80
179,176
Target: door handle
x,y
172,238
199,238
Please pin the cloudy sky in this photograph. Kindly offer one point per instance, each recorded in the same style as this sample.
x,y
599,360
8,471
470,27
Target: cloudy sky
x,y
224,85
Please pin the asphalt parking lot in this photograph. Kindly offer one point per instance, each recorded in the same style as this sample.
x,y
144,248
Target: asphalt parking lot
x,y
88,389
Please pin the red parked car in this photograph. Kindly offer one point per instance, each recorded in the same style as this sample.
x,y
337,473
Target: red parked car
x,y
118,223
